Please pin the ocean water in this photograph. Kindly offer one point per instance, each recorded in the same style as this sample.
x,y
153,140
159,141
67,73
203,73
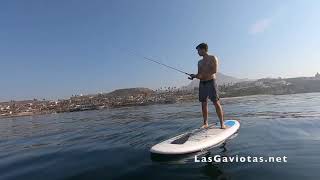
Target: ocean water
x,y
115,143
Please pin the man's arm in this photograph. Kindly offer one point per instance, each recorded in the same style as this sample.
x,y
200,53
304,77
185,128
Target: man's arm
x,y
214,65
198,75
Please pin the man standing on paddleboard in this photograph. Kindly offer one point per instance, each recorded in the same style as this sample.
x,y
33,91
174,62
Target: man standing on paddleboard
x,y
207,69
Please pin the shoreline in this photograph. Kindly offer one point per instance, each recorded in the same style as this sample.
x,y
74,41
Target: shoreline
x,y
136,105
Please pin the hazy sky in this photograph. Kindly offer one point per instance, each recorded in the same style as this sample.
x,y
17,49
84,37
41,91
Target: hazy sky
x,y
51,49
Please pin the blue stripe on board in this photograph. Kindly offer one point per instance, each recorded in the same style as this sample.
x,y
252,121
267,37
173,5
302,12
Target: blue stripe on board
x,y
229,123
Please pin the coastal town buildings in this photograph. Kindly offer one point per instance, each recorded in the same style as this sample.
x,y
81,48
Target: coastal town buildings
x,y
145,96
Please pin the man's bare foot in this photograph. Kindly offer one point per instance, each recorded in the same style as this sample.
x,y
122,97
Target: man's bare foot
x,y
223,127
205,126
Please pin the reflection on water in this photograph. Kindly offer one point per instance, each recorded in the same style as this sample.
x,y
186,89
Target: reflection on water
x,y
210,169
184,158
115,143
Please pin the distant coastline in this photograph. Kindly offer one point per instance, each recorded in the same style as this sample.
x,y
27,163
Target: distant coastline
x,y
145,96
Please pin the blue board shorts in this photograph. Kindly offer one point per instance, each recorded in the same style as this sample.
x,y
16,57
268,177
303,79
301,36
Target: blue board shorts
x,y
208,90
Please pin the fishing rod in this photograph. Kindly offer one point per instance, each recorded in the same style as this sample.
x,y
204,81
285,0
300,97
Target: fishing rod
x,y
152,60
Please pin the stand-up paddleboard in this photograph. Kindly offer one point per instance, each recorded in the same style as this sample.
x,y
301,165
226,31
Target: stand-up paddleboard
x,y
196,140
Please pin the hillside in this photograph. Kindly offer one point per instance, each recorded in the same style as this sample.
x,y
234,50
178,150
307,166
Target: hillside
x,y
221,79
130,92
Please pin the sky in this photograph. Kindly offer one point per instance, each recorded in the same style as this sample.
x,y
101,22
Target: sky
x,y
55,49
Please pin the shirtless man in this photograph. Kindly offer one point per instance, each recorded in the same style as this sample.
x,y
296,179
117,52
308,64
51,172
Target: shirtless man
x,y
207,68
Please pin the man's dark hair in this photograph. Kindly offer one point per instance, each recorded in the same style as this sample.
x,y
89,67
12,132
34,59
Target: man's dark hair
x,y
202,46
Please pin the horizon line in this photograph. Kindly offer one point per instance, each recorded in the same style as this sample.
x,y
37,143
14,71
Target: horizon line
x,y
109,91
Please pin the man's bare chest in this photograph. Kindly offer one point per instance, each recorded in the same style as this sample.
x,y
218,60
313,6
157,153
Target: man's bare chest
x,y
206,65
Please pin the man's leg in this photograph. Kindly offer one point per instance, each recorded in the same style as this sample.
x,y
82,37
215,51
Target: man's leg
x,y
205,114
219,111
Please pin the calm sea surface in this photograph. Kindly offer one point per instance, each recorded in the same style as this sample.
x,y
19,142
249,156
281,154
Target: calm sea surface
x,y
115,143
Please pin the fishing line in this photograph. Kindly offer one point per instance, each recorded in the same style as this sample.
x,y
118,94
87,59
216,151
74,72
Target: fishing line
x,y
155,61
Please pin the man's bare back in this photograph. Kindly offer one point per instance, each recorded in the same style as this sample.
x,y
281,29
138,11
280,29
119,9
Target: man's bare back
x,y
207,67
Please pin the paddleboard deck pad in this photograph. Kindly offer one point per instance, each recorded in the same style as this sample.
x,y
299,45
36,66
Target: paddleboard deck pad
x,y
196,140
